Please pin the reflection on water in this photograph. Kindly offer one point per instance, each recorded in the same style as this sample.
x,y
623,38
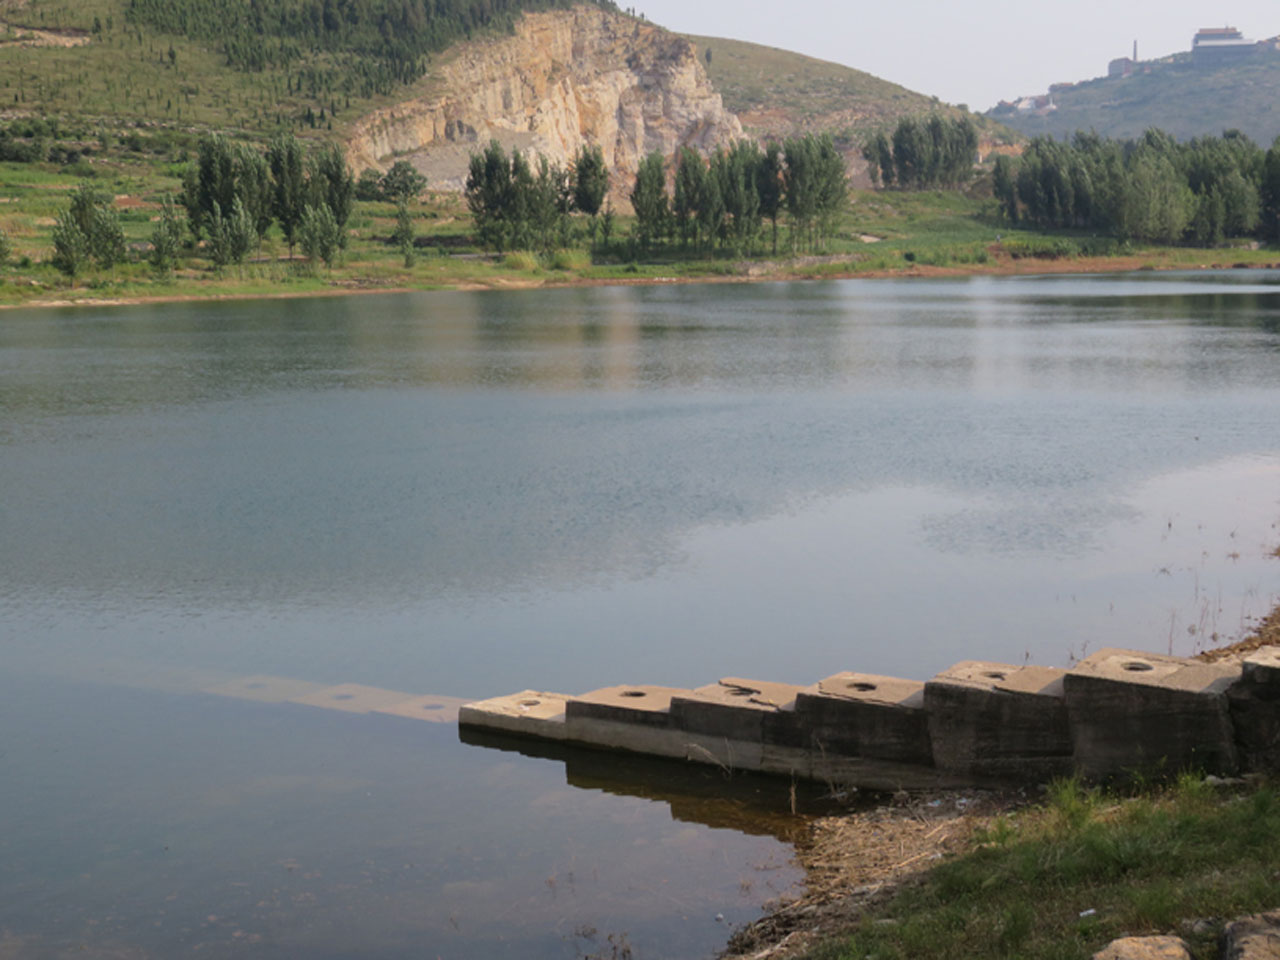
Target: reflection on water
x,y
471,494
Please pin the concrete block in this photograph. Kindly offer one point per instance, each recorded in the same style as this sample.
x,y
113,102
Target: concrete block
x,y
528,713
352,698
1255,711
1252,938
1137,712
265,689
999,721
639,719
868,716
733,708
430,708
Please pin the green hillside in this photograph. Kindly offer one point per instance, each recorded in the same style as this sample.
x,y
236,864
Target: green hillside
x,y
776,94
243,66
1180,98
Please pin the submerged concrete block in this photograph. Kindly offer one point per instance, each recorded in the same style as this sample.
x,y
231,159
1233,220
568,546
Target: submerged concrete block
x,y
864,715
352,698
265,689
999,721
528,713
431,708
1137,712
1255,711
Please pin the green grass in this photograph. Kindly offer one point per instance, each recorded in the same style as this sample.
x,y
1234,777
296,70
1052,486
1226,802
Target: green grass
x,y
1060,881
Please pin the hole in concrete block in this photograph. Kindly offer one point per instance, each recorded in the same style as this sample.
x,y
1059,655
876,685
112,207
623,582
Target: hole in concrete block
x,y
862,686
740,692
633,693
529,703
344,696
994,675
254,686
1137,666
433,706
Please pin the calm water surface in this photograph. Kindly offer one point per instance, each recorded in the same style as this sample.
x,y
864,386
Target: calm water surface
x,y
472,494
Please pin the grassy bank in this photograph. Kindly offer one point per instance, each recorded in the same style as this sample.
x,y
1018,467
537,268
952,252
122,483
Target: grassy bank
x,y
881,234
1060,880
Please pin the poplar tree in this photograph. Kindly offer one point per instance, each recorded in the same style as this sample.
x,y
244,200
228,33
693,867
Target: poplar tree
x,y
649,198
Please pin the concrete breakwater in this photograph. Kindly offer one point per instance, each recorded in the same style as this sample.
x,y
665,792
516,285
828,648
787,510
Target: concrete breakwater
x,y
1116,713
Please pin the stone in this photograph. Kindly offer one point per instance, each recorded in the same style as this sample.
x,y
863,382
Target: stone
x,y
529,713
998,721
1252,938
864,715
1145,948
733,708
1134,712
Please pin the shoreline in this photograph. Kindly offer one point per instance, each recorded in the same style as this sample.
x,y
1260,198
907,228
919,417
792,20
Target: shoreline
x,y
856,861
749,272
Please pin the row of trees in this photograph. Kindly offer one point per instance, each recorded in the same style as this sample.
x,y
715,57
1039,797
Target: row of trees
x,y
725,200
924,153
1152,189
516,208
233,193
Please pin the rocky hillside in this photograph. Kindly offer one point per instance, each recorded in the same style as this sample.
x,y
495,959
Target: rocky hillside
x,y
564,79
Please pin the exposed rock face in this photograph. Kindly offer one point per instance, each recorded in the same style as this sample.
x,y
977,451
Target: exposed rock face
x,y
565,79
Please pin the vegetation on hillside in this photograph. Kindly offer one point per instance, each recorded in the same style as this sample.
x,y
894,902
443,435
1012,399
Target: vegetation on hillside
x,y
923,154
779,94
373,44
1184,99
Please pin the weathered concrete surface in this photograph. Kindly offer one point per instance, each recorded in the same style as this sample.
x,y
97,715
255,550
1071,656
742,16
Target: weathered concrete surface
x,y
868,716
1255,711
734,708
528,713
1133,712
635,718
1253,938
996,720
1145,948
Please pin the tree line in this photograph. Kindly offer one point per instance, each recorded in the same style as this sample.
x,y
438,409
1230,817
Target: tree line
x,y
924,153
718,202
377,43
1151,189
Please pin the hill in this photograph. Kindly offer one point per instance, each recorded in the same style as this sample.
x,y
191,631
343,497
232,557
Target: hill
x,y
777,93
1179,97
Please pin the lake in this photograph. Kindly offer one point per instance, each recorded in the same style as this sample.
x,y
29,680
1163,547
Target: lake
x,y
211,510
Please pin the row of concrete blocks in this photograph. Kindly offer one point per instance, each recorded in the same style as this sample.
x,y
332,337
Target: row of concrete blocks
x,y
1115,714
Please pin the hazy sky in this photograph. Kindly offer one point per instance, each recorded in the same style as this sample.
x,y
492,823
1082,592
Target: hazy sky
x,y
976,52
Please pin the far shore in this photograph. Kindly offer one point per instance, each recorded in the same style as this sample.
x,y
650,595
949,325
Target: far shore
x,y
805,269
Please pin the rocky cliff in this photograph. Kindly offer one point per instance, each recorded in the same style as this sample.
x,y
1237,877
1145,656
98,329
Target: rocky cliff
x,y
566,78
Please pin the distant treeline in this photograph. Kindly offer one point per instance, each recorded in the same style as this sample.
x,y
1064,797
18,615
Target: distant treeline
x,y
1152,189
375,44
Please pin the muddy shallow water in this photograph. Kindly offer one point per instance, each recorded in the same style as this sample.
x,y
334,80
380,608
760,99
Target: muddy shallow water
x,y
468,494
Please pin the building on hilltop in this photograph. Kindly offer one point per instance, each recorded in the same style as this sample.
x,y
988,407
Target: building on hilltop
x,y
1214,45
1120,67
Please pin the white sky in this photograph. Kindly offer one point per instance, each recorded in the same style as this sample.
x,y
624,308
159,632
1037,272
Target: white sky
x,y
976,51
